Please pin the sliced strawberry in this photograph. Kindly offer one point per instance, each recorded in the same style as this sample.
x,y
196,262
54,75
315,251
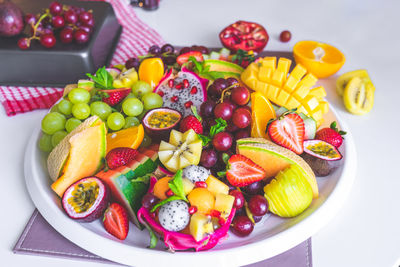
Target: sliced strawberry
x,y
115,221
243,171
185,57
120,156
114,96
288,131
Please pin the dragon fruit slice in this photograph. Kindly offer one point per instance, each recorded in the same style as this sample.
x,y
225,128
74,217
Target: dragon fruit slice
x,y
178,241
179,96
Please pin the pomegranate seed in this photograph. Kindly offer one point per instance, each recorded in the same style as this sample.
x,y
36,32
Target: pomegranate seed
x,y
221,221
174,98
194,90
169,193
179,86
200,184
215,213
192,210
161,93
185,83
171,83
153,214
188,104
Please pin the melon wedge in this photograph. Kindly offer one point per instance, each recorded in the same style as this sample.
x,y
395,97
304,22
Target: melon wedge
x,y
87,150
59,155
274,158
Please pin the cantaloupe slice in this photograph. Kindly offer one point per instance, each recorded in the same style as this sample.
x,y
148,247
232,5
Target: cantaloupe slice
x,y
274,158
59,155
87,150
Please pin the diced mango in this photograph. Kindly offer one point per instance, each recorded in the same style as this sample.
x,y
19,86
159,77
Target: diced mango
x,y
273,92
292,103
277,78
301,109
301,92
252,83
319,92
269,62
284,66
308,81
261,87
310,103
298,72
265,73
282,98
317,115
324,106
200,226
250,73
290,84
224,204
216,187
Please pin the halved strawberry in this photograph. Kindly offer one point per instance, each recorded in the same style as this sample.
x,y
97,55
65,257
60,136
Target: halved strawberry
x,y
114,96
288,131
242,171
115,221
120,156
185,57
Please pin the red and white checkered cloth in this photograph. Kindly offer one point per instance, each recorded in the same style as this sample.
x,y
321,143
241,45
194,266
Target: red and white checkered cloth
x,y
135,40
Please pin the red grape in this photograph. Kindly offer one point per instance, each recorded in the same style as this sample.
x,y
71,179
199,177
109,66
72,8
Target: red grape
x,y
155,50
30,19
242,134
47,40
206,108
257,218
254,188
81,36
184,50
90,23
23,43
231,81
223,110
242,226
66,35
70,17
208,158
239,199
258,205
231,127
58,22
167,48
85,16
240,95
241,118
55,8
220,84
222,141
149,200
285,36
203,49
86,28
132,63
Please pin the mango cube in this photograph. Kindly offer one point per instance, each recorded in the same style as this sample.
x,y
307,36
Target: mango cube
x,y
319,92
265,73
200,225
269,62
284,66
215,186
224,204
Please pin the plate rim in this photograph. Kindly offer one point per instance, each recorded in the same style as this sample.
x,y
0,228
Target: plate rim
x,y
242,255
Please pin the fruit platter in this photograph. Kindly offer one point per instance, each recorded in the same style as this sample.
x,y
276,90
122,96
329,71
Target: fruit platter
x,y
186,155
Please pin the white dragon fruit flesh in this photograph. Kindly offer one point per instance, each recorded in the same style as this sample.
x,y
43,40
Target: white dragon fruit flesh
x,y
174,215
183,94
196,173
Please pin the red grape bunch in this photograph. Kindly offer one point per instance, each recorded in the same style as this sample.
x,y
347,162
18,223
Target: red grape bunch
x,y
69,23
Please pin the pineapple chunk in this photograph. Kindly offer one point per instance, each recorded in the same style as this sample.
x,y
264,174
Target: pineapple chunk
x,y
215,186
200,226
224,204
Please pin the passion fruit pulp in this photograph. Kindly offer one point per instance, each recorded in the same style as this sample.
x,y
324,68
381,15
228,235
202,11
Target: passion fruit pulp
x,y
86,199
159,122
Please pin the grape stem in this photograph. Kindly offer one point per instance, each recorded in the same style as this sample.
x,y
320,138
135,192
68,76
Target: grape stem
x,y
221,100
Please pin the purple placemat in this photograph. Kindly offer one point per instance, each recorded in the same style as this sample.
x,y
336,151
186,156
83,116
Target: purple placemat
x,y
39,238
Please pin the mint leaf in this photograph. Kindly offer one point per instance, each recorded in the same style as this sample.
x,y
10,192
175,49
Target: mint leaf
x,y
176,185
102,79
204,139
219,127
198,67
153,237
165,201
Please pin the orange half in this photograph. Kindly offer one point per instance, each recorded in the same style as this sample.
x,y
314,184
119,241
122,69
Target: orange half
x,y
261,112
322,60
131,137
151,70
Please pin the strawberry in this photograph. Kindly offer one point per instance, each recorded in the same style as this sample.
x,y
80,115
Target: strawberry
x,y
120,156
331,135
242,171
185,57
114,96
288,131
192,122
115,221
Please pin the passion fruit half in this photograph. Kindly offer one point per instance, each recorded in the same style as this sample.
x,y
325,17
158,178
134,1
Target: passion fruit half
x,y
322,157
159,122
86,200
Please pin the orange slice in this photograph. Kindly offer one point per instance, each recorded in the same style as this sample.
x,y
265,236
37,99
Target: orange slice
x,y
131,137
261,112
320,59
151,70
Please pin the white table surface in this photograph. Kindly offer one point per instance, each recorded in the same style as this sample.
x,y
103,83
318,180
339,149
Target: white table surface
x,y
366,231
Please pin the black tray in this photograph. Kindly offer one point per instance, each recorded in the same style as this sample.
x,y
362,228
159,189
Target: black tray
x,y
64,63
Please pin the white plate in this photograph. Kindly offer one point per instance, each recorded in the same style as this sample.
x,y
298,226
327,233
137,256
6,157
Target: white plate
x,y
271,236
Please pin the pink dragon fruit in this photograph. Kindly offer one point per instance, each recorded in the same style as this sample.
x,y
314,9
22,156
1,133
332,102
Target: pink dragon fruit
x,y
178,241
182,90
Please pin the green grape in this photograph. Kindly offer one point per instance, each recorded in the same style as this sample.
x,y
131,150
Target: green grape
x,y
140,88
65,107
131,121
81,111
141,115
146,141
79,95
45,143
115,121
53,122
55,109
57,137
132,107
152,100
71,124
101,109
130,95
